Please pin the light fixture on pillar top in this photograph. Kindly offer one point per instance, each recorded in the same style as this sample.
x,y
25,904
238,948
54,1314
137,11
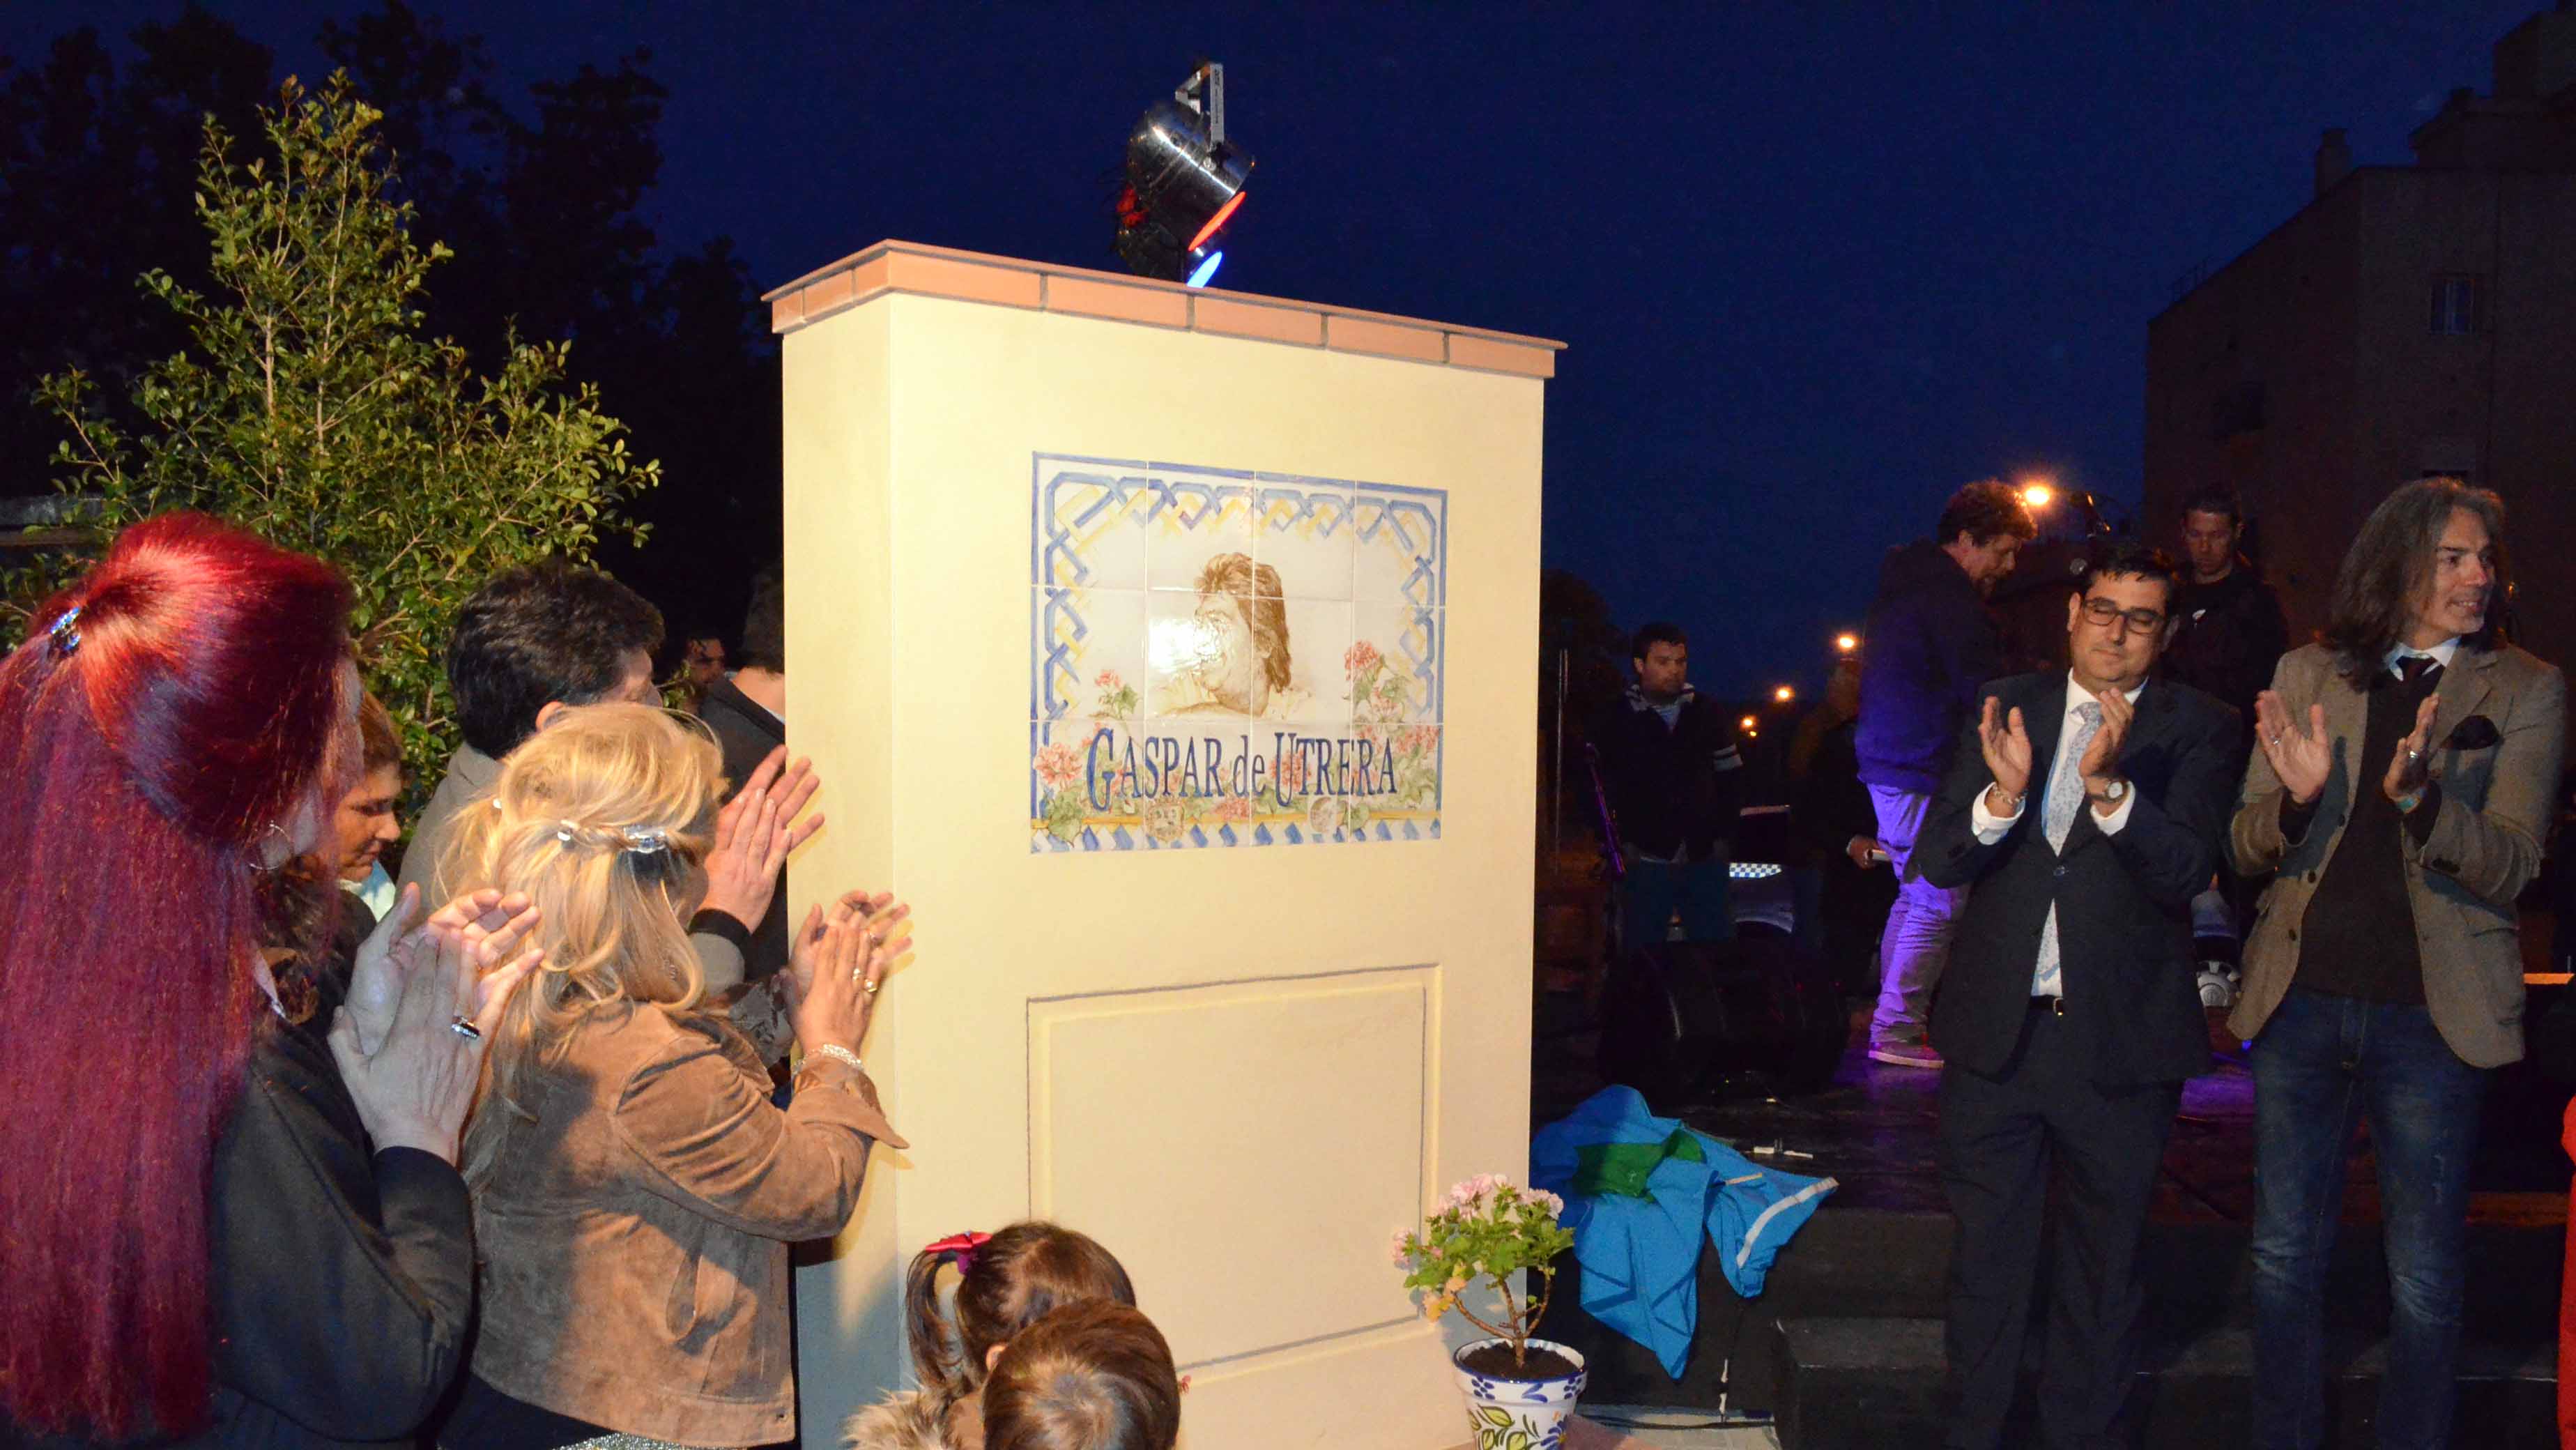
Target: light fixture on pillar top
x,y
1185,181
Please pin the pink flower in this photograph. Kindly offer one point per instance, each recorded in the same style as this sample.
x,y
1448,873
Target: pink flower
x,y
1360,657
1108,680
1234,808
1059,765
1400,1248
1418,740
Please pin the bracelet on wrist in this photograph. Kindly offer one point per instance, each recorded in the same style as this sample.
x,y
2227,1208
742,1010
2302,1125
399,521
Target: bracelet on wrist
x,y
838,1053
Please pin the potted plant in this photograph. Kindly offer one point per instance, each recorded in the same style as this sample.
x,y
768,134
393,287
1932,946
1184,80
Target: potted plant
x,y
1520,1390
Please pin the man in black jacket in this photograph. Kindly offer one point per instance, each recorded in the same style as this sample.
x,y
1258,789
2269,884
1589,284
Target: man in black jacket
x,y
1670,765
1931,644
2082,813
747,710
2229,630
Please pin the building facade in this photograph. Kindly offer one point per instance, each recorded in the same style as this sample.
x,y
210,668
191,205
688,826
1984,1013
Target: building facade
x,y
2408,321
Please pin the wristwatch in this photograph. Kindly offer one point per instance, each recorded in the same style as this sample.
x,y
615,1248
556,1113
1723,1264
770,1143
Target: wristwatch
x,y
2114,792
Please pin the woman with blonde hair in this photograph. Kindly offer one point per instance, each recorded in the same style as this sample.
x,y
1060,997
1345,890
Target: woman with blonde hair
x,y
635,1190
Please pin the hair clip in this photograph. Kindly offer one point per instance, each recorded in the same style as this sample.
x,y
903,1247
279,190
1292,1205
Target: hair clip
x,y
563,832
647,840
65,632
959,1249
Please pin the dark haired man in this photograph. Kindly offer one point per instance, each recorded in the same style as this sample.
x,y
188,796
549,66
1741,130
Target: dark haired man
x,y
747,710
2228,623
2080,816
1931,645
1670,764
541,637
2402,788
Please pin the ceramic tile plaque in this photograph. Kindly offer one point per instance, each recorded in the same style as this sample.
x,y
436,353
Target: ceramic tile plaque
x,y
1228,658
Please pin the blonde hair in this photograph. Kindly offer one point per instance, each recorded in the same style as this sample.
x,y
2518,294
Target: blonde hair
x,y
602,818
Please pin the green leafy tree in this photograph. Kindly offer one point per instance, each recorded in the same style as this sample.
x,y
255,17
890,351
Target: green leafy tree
x,y
311,406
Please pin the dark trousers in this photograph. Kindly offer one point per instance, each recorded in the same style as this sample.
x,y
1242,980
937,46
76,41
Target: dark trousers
x,y
2002,1141
1654,890
2322,1065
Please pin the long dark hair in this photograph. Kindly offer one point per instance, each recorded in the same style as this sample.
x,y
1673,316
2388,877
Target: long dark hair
x,y
2389,564
168,712
1007,1283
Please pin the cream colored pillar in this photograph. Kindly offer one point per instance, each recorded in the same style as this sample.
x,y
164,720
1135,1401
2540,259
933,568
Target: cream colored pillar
x,y
1173,655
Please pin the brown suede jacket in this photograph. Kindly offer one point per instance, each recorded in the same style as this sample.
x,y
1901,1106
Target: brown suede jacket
x,y
634,1235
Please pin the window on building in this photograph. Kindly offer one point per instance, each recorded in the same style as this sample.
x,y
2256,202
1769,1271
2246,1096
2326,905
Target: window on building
x,y
2239,409
2458,305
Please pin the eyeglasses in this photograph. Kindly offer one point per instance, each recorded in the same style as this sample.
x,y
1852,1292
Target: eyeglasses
x,y
2103,611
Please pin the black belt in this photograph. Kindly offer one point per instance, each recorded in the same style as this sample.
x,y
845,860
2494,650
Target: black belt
x,y
2053,1006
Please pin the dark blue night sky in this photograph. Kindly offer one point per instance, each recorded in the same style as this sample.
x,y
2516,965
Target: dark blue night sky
x,y
1816,266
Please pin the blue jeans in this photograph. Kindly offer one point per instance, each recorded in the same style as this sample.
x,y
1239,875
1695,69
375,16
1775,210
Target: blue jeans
x,y
2322,1064
1653,889
1916,944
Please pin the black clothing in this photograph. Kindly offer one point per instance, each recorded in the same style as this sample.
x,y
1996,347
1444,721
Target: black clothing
x,y
486,1419
1931,644
1828,806
2231,637
342,1278
2360,926
2079,1090
1674,787
1999,1141
2123,902
747,732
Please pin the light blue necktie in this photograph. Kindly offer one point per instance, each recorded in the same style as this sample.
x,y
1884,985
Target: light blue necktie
x,y
2057,819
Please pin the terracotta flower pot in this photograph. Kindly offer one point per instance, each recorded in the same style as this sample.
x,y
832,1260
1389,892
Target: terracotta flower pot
x,y
1510,1413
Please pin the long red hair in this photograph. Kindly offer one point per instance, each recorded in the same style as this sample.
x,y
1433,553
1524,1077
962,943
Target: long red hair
x,y
164,715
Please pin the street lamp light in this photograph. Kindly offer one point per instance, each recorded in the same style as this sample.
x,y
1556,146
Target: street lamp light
x,y
1846,643
1784,694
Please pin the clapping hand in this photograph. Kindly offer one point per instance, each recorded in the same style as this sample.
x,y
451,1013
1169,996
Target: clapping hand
x,y
2412,764
2005,742
413,1088
487,925
754,836
2101,759
2301,758
839,962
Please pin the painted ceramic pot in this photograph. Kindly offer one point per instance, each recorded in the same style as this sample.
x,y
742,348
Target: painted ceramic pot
x,y
1520,1414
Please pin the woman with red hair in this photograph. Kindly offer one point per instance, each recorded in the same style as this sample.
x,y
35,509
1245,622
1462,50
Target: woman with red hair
x,y
223,1226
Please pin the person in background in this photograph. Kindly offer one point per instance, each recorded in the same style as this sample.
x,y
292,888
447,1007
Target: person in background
x,y
747,710
1006,1281
2229,628
1674,775
365,823
626,1143
702,663
1097,1376
2081,815
1932,647
1837,882
233,1216
2405,778
543,638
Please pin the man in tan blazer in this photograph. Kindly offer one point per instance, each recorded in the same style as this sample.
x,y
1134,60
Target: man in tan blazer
x,y
2400,787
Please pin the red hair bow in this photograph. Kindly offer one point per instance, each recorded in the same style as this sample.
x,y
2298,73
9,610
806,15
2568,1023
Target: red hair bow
x,y
959,1249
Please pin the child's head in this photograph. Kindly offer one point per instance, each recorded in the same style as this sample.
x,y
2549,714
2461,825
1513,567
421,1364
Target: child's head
x,y
1005,1283
1095,1376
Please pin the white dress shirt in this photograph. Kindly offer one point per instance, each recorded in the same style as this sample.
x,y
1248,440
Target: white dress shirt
x,y
2439,654
2046,979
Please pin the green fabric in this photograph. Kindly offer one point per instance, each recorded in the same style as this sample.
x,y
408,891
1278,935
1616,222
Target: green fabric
x,y
1624,1167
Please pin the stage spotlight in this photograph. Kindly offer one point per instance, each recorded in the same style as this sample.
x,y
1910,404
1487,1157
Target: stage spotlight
x,y
1185,181
1206,269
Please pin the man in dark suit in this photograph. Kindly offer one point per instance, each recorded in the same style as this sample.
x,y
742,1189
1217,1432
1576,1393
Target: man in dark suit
x,y
2081,813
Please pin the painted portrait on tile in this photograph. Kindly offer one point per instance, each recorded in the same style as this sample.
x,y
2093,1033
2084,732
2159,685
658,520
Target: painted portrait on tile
x,y
1231,658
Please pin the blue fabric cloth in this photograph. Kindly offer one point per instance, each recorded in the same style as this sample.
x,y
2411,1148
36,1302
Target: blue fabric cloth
x,y
1640,1256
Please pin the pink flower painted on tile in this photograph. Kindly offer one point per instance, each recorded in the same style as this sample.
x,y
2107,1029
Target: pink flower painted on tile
x,y
1359,657
1108,680
1059,765
1234,808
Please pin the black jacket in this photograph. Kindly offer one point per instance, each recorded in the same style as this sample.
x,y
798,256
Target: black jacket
x,y
1671,785
2123,902
342,1278
747,732
1931,643
2232,634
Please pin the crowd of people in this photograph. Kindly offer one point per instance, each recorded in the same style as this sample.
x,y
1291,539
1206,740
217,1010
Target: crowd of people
x,y
499,1149
2372,804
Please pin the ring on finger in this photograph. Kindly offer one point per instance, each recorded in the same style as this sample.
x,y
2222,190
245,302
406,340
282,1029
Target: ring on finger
x,y
869,986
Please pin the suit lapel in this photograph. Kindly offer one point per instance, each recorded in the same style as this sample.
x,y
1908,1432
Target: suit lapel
x,y
2153,705
2464,686
2043,714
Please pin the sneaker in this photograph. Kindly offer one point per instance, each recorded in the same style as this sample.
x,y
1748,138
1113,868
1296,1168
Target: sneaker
x,y
1905,1054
